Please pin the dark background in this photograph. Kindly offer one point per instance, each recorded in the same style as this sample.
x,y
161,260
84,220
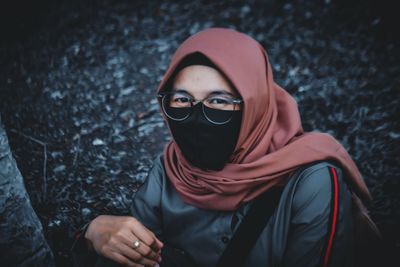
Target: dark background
x,y
77,84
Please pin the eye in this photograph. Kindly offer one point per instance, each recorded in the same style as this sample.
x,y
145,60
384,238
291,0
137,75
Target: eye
x,y
219,100
180,100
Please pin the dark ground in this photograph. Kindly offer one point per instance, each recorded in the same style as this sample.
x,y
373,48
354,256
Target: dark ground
x,y
77,83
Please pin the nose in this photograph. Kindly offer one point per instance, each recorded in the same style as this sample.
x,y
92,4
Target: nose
x,y
195,102
197,109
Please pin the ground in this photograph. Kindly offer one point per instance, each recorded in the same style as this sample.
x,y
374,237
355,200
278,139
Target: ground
x,y
78,81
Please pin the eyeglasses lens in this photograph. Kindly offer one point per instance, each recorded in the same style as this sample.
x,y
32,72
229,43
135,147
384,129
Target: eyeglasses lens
x,y
217,110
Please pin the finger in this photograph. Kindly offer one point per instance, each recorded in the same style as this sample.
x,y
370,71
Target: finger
x,y
146,235
157,245
136,256
148,252
124,260
143,249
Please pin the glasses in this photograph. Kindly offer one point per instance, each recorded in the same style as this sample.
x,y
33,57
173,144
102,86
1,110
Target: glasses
x,y
217,107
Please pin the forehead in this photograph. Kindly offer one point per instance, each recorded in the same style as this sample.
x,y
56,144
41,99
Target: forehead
x,y
201,80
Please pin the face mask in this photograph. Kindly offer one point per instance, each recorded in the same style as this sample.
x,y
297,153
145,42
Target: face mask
x,y
204,144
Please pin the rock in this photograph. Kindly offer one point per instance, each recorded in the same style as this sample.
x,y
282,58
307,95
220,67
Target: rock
x,y
98,142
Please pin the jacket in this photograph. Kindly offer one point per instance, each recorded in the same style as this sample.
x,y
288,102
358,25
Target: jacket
x,y
299,233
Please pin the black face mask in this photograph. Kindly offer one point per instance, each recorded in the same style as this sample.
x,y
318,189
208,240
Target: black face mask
x,y
204,144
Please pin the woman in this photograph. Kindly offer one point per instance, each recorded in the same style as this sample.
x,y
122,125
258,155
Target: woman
x,y
236,136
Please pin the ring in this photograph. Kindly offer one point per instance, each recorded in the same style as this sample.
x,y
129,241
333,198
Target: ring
x,y
136,244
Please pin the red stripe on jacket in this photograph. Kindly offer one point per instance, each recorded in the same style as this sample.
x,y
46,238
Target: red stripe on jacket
x,y
334,218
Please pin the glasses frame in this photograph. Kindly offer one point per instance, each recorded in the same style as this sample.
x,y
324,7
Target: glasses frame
x,y
162,95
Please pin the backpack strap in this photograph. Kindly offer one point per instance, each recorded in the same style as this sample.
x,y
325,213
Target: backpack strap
x,y
250,229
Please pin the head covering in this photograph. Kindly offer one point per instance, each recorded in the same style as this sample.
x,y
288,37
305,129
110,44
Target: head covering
x,y
271,143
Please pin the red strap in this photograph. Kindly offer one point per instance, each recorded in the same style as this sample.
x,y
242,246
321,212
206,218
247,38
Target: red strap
x,y
334,216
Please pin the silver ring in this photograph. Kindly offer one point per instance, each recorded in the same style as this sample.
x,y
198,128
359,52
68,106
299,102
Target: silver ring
x,y
136,244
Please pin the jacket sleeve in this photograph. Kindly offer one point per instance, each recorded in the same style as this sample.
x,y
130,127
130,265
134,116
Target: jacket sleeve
x,y
146,204
321,223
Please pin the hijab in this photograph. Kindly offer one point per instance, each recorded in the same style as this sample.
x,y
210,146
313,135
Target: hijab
x,y
271,144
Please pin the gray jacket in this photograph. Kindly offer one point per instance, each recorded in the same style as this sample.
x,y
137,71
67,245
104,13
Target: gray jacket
x,y
295,235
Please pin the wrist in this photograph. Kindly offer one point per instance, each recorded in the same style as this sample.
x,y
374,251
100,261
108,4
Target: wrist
x,y
79,243
87,235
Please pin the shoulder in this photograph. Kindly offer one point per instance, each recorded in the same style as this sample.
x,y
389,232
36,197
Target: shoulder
x,y
315,185
317,176
155,173
317,216
158,166
152,182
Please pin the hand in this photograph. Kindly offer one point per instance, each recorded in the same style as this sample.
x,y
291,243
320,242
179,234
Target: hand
x,y
114,238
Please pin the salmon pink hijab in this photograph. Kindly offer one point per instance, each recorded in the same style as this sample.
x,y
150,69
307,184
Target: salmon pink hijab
x,y
271,143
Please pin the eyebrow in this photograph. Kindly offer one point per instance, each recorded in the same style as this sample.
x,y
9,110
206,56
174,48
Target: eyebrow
x,y
215,92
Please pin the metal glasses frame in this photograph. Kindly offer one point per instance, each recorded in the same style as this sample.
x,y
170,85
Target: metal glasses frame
x,y
162,95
